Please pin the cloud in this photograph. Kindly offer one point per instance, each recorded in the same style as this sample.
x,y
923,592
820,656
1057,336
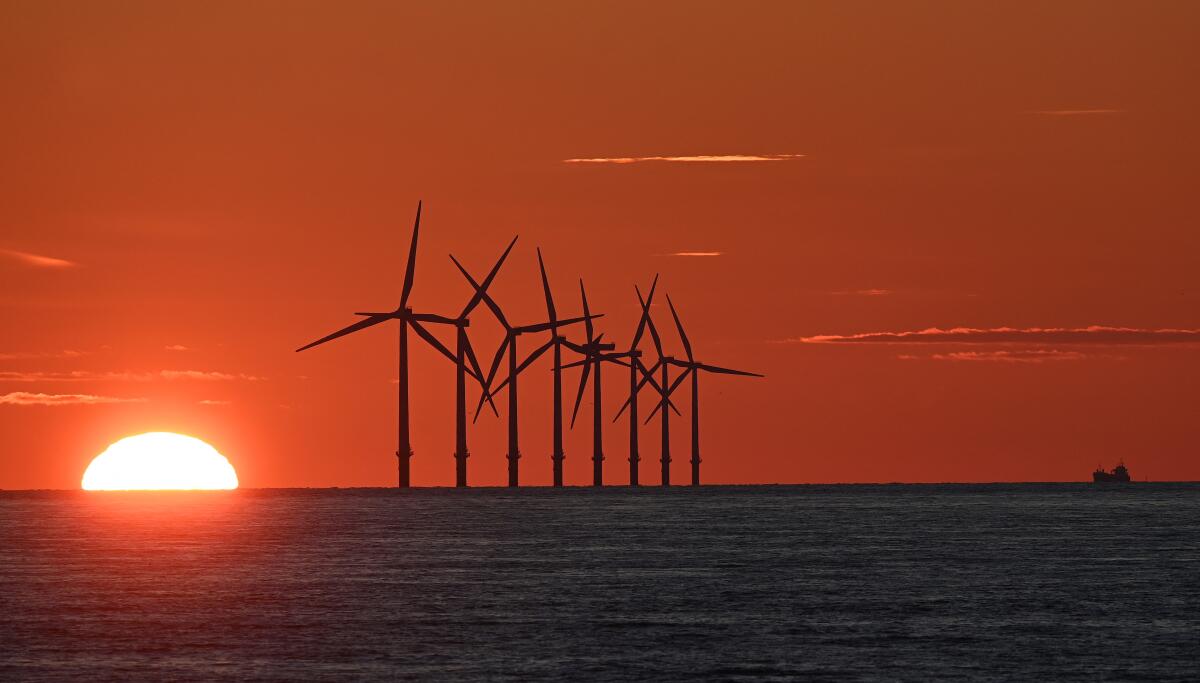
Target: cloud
x,y
704,158
37,260
1094,334
202,375
23,398
697,253
89,376
212,402
177,347
1078,112
65,353
1018,356
862,292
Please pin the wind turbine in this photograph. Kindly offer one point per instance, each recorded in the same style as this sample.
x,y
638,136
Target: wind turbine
x,y
408,318
511,334
594,356
557,342
693,368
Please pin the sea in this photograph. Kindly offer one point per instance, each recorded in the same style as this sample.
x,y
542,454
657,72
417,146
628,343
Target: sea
x,y
1033,582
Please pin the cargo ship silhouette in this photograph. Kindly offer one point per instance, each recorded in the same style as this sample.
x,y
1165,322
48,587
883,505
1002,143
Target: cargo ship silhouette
x,y
1119,475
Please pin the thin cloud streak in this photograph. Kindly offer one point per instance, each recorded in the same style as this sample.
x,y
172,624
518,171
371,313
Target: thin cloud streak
x,y
1027,356
88,376
23,398
704,158
1094,334
37,260
862,292
21,355
697,253
1078,112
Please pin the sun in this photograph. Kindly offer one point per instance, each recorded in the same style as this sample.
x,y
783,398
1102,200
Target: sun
x,y
159,461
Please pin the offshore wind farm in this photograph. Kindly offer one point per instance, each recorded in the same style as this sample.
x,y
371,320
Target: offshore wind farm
x,y
615,341
592,349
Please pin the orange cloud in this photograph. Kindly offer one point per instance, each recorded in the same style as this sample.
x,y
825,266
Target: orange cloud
x,y
704,158
88,376
1026,356
1094,334
37,260
862,292
697,253
1078,112
23,398
66,353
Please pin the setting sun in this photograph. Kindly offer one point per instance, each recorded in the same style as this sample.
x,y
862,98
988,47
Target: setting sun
x,y
158,461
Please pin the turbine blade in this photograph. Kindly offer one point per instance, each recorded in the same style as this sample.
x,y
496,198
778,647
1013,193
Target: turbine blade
x,y
727,371
637,336
411,268
542,327
647,321
495,390
587,320
647,378
487,390
546,286
487,298
433,318
657,407
687,346
487,281
534,356
360,325
583,378
469,351
433,341
678,381
652,414
654,335
577,348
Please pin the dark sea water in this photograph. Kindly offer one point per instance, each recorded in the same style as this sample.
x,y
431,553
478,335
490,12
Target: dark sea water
x,y
905,582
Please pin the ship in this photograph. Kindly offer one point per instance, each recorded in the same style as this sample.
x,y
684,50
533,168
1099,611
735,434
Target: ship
x,y
1118,475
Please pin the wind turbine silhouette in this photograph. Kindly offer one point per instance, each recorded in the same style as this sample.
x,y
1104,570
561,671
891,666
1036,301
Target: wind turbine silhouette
x,y
464,352
693,368
593,353
408,318
556,341
511,334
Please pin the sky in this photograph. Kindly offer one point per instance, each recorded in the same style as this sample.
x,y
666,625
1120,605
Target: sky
x,y
959,238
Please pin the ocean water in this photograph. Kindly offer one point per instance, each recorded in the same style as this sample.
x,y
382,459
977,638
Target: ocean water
x,y
903,582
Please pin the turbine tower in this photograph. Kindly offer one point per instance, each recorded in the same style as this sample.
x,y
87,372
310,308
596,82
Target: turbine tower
x,y
407,318
693,368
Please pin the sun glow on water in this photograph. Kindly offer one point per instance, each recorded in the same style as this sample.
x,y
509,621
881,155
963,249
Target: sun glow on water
x,y
159,461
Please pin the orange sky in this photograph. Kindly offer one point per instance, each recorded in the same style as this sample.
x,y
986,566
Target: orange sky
x,y
189,191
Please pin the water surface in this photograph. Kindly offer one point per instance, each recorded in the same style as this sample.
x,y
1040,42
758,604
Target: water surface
x,y
912,582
